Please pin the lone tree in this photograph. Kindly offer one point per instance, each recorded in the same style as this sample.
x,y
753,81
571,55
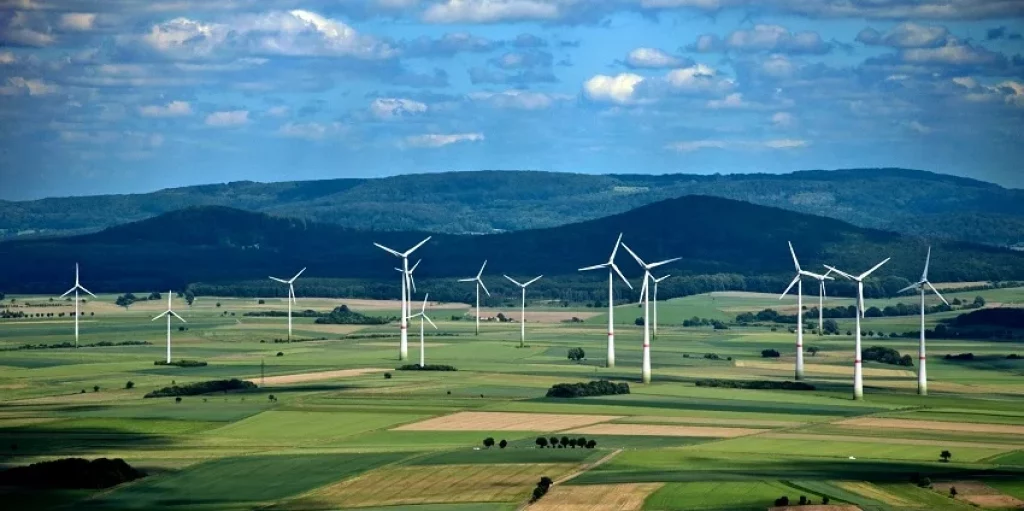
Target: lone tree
x,y
952,491
488,442
130,385
502,444
154,296
577,354
813,350
542,442
946,455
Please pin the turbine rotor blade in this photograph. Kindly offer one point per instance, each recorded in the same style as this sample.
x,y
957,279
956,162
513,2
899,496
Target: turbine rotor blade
x,y
643,290
297,275
927,263
532,281
595,267
481,272
872,270
791,284
175,314
616,249
162,314
823,293
623,277
908,288
662,263
657,281
86,290
467,280
638,260
429,321
793,253
418,261
69,291
418,245
513,280
388,250
483,286
424,308
275,279
936,291
841,273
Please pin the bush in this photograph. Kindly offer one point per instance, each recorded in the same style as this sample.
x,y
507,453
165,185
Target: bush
x,y
488,442
542,488
591,444
387,376
503,443
205,387
71,473
961,356
594,388
177,399
712,356
770,353
130,385
180,363
576,354
262,302
825,500
782,501
428,367
755,385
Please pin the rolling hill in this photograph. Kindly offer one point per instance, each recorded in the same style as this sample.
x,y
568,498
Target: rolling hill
x,y
741,245
906,201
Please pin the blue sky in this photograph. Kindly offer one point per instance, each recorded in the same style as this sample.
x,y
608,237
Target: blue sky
x,y
134,95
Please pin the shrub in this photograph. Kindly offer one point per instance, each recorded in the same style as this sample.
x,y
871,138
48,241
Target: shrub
x,y
205,387
952,491
712,356
925,482
803,500
553,441
961,356
576,354
503,444
428,367
71,473
542,488
825,500
594,388
945,455
95,388
180,363
130,385
387,376
488,442
262,302
770,353
1013,356
177,399
782,501
280,353
755,385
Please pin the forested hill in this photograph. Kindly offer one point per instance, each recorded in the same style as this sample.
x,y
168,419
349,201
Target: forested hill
x,y
712,235
905,201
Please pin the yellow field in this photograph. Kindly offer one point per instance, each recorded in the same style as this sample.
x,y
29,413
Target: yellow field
x,y
505,421
318,376
874,422
659,430
827,369
602,497
875,493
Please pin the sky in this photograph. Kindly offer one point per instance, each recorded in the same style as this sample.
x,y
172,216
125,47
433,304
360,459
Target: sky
x,y
125,96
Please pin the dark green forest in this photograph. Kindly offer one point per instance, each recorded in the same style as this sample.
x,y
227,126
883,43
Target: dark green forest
x,y
906,201
724,245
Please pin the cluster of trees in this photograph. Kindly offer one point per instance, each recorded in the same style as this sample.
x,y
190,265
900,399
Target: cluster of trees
x,y
180,363
489,442
770,353
755,385
577,354
960,356
542,488
9,314
887,356
344,316
593,388
900,309
565,442
205,387
71,473
308,313
127,299
69,344
698,322
428,367
784,501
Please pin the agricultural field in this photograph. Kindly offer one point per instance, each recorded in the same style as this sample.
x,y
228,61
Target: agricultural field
x,y
333,425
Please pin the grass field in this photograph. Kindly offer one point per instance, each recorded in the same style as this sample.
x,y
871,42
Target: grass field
x,y
339,434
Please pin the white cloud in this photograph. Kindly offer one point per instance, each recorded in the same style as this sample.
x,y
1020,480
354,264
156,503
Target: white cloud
x,y
953,53
778,66
172,109
615,89
491,11
78,21
783,120
906,35
519,99
917,127
6,57
734,100
277,111
310,130
393,108
651,58
764,38
227,119
743,145
438,140
697,78
17,85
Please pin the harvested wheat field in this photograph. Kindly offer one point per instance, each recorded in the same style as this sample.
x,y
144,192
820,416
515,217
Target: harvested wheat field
x,y
979,494
659,430
875,493
598,497
505,421
288,379
436,484
755,423
965,427
826,369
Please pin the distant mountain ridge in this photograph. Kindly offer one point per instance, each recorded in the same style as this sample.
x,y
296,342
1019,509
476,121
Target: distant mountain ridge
x,y
907,201
714,236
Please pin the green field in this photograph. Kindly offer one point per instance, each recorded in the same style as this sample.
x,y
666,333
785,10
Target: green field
x,y
348,436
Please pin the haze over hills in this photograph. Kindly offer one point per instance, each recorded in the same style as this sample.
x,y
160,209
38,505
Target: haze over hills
x,y
906,201
744,244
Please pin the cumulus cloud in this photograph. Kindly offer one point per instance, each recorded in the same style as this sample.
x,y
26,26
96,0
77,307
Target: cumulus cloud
x,y
953,53
19,86
292,33
172,109
739,145
480,75
630,88
447,45
763,38
873,9
228,119
492,11
277,111
441,140
734,100
310,130
619,89
6,57
25,29
906,35
698,78
393,108
783,120
529,41
78,21
519,99
522,60
652,58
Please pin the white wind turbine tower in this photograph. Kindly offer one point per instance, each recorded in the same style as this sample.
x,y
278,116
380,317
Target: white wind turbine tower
x,y
522,319
645,298
656,282
75,289
858,373
922,286
799,283
821,300
411,288
612,270
422,314
169,313
403,348
479,284
291,297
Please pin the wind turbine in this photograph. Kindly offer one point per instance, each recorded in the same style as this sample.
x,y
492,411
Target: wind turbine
x,y
479,284
169,313
858,373
922,286
821,300
799,283
75,289
422,314
291,297
645,298
522,319
403,348
411,288
656,281
612,270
